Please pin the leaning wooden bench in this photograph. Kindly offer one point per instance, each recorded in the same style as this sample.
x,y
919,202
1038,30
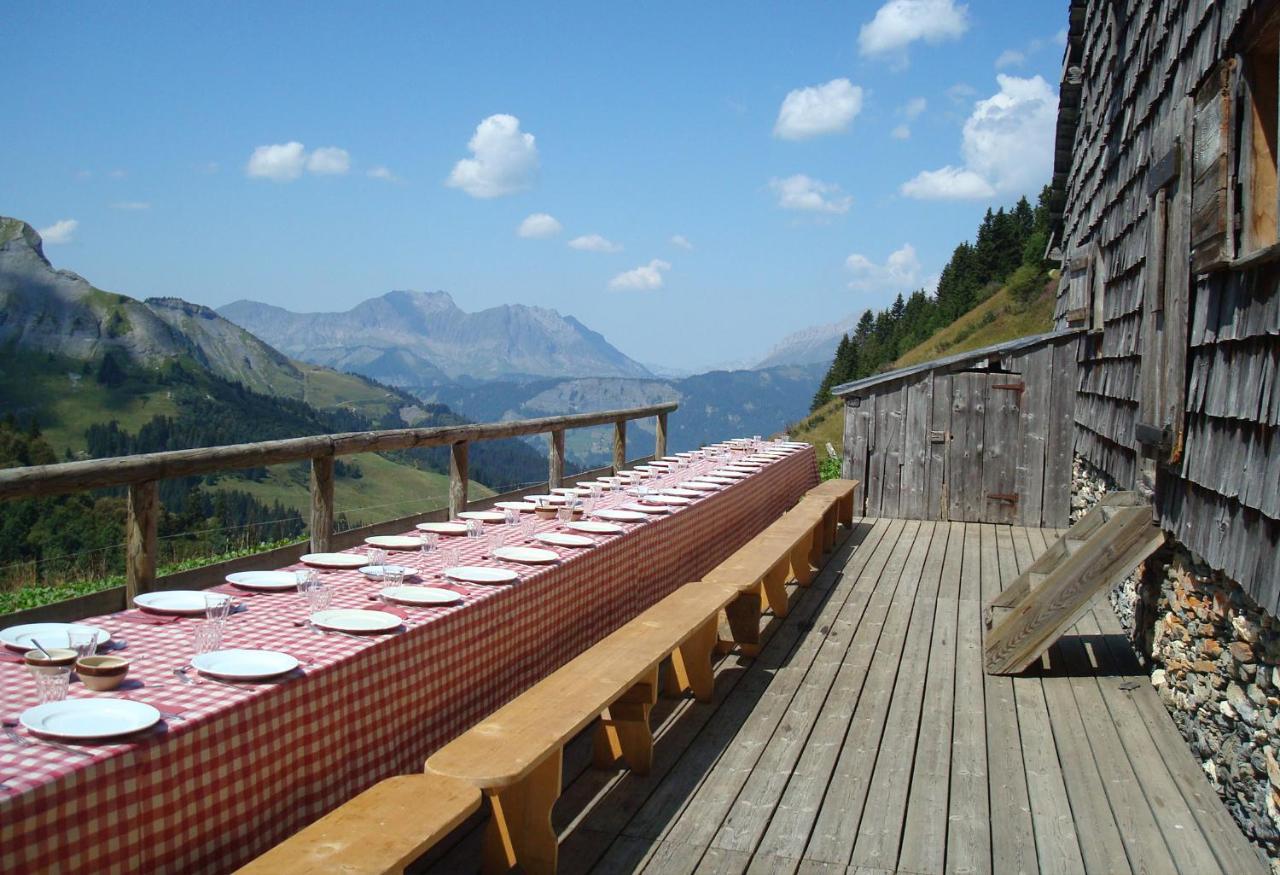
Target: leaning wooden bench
x,y
382,830
515,754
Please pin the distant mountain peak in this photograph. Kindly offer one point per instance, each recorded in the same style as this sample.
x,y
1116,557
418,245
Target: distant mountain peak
x,y
17,233
812,345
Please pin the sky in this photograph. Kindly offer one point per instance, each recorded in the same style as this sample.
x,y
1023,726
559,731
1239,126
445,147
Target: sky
x,y
692,180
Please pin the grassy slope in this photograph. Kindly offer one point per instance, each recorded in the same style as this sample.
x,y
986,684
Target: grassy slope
x,y
995,320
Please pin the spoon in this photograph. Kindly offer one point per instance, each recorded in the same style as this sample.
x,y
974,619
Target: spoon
x,y
40,647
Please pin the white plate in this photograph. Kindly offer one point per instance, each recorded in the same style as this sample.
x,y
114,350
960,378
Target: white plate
x,y
560,539
675,458
48,634
718,480
527,555
420,595
481,574
268,581
485,516
683,492
524,506
594,527
355,620
565,490
377,572
335,560
730,474
395,542
675,500
244,665
174,601
89,718
701,485
646,508
548,499
443,528
622,516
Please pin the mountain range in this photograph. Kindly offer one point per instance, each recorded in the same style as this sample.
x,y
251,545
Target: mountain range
x,y
812,345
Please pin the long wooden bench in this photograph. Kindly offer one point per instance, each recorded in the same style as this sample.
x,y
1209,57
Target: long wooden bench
x,y
836,498
382,830
515,755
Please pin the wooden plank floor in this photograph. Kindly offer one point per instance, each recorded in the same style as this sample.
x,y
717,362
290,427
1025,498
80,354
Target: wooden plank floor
x,y
866,739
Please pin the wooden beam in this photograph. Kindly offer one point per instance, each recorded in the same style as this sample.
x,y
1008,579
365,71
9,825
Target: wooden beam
x,y
457,479
555,459
619,445
140,538
660,436
321,503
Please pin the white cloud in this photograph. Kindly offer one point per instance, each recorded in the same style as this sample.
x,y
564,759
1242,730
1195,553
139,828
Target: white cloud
x,y
131,205
329,161
914,107
802,192
901,272
681,241
117,174
818,109
210,167
59,232
901,132
961,92
281,162
383,173
1010,58
646,277
505,159
594,243
1007,145
899,23
539,226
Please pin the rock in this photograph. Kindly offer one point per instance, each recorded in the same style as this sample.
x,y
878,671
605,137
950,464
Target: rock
x,y
1247,628
1241,652
1159,677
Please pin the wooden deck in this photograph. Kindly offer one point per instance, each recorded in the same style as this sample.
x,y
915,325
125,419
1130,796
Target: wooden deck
x,y
865,738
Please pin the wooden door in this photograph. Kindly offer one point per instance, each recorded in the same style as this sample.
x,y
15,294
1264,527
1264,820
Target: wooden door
x,y
986,431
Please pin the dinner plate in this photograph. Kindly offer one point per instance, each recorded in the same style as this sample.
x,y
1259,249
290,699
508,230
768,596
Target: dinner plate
x,y
525,506
646,508
621,516
565,490
420,595
701,486
395,542
355,620
730,474
595,527
682,492
675,500
78,719
718,480
268,581
485,516
244,665
675,458
377,572
334,560
443,528
548,499
481,574
560,539
174,601
527,555
49,634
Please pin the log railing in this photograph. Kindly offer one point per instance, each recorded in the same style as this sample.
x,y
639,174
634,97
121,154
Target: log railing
x,y
142,473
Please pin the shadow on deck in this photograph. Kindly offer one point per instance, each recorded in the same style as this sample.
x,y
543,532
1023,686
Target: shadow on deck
x,y
866,738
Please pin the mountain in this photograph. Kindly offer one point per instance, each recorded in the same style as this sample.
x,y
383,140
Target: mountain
x,y
408,338
817,343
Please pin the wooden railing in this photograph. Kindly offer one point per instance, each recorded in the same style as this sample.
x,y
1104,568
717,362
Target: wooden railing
x,y
141,474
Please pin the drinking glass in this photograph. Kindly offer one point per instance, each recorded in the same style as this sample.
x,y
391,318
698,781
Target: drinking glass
x,y
377,556
496,539
450,557
510,516
83,641
528,526
305,578
393,576
430,540
565,514
51,682
206,637
319,596
217,607
475,528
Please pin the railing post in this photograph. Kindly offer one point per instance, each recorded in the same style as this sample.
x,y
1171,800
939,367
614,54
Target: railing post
x,y
660,436
321,503
457,479
555,459
140,539
619,445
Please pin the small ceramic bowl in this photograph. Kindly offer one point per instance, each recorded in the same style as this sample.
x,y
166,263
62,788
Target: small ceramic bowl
x,y
57,656
100,673
546,511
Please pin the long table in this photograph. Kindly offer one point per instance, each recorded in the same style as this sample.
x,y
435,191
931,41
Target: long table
x,y
237,769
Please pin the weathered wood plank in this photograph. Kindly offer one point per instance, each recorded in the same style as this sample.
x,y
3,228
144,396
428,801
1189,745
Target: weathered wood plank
x,y
322,509
457,479
619,445
1030,450
141,542
555,458
916,456
1001,440
660,435
939,438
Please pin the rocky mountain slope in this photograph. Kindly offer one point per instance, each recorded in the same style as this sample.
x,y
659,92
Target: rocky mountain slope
x,y
408,338
811,345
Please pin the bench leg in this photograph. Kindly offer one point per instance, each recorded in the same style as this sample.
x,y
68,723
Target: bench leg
x,y
743,616
775,590
695,655
830,522
846,510
519,831
800,560
623,731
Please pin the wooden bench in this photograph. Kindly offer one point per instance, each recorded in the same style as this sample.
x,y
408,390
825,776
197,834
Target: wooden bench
x,y
515,754
382,830
836,498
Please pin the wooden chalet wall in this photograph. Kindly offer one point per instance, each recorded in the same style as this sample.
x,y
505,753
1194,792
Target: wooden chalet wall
x,y
984,437
1139,83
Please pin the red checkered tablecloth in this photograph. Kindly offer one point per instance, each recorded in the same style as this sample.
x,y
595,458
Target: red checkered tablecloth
x,y
233,770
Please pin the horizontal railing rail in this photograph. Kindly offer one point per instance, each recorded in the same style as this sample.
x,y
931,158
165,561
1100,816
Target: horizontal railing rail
x,y
141,473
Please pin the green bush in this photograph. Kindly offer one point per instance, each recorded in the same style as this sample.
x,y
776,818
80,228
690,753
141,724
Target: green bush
x,y
1026,283
829,468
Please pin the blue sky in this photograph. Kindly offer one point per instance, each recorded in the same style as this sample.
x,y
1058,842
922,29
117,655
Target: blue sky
x,y
813,159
